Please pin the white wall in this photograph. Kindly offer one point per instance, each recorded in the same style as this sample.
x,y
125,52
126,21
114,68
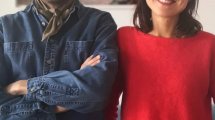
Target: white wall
x,y
207,15
123,14
7,6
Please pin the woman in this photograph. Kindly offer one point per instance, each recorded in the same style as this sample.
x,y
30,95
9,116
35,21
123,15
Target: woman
x,y
167,64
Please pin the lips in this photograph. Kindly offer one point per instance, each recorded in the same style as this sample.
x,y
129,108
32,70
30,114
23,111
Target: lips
x,y
166,2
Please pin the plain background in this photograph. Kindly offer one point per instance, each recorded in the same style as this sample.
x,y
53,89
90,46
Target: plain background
x,y
123,13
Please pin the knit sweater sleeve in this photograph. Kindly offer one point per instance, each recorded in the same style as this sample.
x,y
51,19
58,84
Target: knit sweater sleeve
x,y
212,71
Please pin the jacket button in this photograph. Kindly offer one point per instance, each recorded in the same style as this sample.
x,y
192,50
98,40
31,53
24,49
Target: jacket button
x,y
32,89
43,24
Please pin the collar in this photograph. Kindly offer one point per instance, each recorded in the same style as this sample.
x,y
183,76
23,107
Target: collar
x,y
76,10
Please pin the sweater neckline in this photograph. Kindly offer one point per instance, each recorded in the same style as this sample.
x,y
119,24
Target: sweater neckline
x,y
157,38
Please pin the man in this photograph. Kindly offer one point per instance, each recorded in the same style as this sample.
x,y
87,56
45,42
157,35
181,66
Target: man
x,y
58,60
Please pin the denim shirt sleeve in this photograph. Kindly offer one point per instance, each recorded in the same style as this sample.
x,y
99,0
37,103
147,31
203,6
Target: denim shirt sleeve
x,y
84,90
4,77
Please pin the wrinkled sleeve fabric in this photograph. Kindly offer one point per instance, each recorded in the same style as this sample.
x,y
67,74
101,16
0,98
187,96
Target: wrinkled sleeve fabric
x,y
84,90
4,75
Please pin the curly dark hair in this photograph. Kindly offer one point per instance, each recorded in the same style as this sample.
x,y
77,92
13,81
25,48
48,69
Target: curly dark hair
x,y
186,26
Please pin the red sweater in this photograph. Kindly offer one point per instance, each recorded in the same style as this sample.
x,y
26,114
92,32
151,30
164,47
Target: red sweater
x,y
164,78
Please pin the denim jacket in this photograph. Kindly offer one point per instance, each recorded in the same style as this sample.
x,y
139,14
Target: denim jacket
x,y
52,66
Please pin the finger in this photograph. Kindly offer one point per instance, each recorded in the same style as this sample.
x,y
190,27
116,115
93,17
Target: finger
x,y
95,63
92,64
88,59
84,64
93,60
9,90
60,109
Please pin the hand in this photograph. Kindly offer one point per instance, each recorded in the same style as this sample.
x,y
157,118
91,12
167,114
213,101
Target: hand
x,y
91,61
17,88
60,109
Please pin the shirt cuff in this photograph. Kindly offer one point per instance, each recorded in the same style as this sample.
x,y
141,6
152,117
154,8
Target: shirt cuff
x,y
34,85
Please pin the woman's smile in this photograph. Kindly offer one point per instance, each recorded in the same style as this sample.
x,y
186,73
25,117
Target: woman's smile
x,y
166,2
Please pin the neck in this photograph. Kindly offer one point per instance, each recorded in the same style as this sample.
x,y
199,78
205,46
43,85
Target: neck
x,y
164,26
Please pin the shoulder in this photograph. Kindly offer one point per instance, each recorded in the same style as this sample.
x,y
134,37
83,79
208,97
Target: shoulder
x,y
127,29
128,32
9,21
126,36
93,13
206,36
17,16
10,17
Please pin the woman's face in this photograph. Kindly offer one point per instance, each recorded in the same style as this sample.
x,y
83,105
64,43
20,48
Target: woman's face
x,y
167,8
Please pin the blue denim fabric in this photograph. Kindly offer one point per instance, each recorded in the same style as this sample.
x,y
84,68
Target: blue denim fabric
x,y
52,66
